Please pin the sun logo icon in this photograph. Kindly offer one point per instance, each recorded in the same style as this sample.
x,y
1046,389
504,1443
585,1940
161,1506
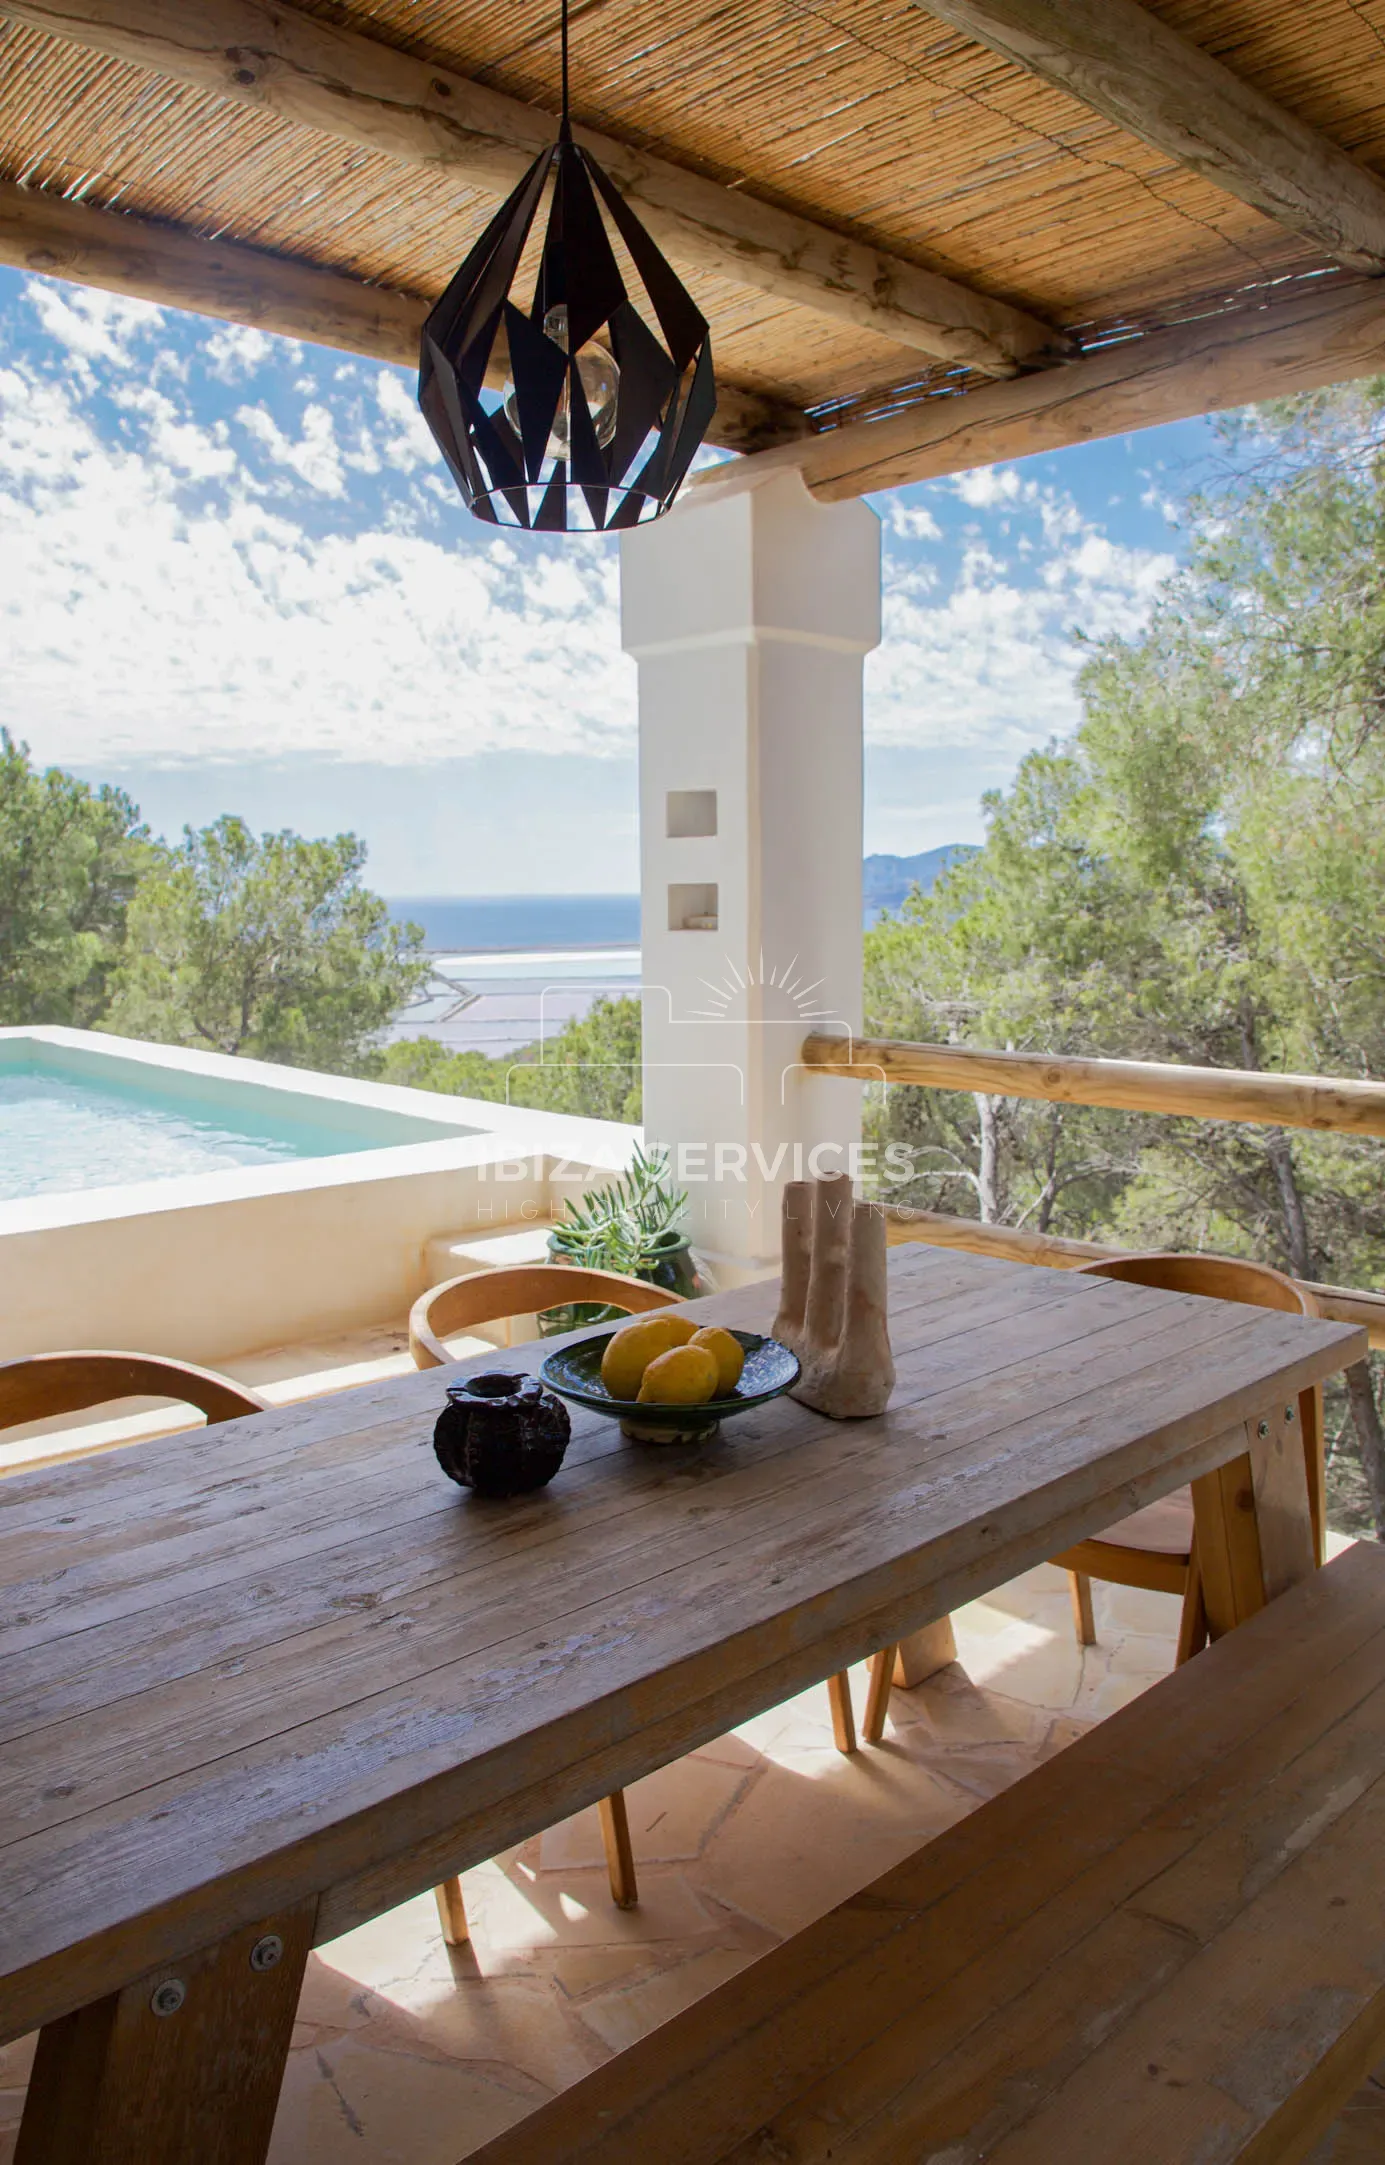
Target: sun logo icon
x,y
776,995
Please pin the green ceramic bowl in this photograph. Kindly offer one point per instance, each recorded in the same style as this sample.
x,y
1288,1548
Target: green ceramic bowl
x,y
575,1372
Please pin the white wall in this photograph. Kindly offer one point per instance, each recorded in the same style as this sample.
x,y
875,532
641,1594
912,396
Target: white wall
x,y
750,615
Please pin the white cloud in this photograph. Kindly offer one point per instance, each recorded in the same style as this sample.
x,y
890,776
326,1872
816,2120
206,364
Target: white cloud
x,y
133,626
175,584
181,444
315,456
408,441
985,662
988,486
911,522
235,351
93,326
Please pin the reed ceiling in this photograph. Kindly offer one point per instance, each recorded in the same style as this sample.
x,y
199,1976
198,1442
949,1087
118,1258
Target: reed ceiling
x,y
870,117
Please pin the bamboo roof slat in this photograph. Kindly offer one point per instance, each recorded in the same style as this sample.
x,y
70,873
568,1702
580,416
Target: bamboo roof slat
x,y
870,117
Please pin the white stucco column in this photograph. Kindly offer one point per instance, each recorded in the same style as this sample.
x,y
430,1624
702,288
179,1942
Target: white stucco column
x,y
750,611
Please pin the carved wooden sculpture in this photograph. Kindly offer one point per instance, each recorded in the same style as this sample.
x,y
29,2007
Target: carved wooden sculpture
x,y
833,1310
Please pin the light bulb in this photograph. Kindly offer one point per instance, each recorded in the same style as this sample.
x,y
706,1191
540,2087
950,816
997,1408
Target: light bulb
x,y
600,380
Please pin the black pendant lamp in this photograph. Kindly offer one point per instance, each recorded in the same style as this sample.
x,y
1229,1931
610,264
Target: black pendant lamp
x,y
580,407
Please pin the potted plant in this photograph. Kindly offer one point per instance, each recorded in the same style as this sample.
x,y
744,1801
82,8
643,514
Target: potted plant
x,y
633,1226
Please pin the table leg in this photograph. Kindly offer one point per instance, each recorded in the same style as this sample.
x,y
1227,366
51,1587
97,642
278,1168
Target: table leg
x,y
620,1855
910,1662
181,2068
1254,1528
924,1652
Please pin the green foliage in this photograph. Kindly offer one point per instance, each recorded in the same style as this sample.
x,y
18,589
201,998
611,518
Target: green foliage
x,y
591,1067
628,1226
421,1063
1197,875
268,946
69,860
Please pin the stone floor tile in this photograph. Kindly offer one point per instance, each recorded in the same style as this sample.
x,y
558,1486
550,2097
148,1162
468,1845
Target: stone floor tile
x,y
1123,1609
1018,1658
983,1770
526,2029
950,1709
578,1971
1104,1695
731,1751
803,1839
374,1957
346,2103
622,2018
803,1723
513,1913
1134,1653
672,1814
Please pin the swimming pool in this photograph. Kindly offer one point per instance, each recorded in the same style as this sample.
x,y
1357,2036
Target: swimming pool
x,y
200,1206
63,1130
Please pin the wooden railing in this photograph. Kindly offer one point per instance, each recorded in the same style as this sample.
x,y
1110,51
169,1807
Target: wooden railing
x,y
1133,1086
1344,1304
1145,1086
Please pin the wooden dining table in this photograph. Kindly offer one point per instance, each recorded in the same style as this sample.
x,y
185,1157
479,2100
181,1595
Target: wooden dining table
x,y
263,1681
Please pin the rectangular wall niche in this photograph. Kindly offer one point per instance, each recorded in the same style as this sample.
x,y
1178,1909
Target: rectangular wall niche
x,y
691,812
692,908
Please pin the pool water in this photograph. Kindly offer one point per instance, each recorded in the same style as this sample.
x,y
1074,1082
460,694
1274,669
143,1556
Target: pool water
x,y
58,1133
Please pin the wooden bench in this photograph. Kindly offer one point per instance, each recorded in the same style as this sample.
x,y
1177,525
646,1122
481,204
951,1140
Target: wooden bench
x,y
1167,1944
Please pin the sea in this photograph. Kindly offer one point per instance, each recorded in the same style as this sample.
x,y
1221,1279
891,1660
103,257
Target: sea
x,y
508,971
472,924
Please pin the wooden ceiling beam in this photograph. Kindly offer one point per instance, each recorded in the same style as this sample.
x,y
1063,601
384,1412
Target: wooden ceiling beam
x,y
1121,60
314,75
1233,359
170,265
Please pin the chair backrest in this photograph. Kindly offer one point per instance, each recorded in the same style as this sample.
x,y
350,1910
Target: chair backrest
x,y
1227,1278
46,1384
1216,1277
484,1296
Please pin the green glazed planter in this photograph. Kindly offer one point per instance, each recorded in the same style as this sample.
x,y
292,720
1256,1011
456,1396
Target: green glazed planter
x,y
673,1268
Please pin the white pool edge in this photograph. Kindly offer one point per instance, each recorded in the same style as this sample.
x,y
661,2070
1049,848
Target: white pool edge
x,y
210,1265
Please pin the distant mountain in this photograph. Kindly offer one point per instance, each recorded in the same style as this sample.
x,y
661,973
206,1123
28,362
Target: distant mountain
x,y
888,879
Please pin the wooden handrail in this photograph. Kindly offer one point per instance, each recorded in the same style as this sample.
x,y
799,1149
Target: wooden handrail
x,y
1342,1304
1137,1086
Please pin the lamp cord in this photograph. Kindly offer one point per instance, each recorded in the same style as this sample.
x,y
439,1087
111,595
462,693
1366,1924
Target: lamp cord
x,y
565,127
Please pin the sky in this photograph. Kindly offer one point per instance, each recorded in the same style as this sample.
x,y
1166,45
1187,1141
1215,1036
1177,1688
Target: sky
x,y
234,576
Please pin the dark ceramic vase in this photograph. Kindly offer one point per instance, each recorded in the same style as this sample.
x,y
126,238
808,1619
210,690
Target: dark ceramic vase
x,y
501,1435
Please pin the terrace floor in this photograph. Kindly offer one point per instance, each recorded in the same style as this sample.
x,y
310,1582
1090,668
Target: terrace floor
x,y
408,2054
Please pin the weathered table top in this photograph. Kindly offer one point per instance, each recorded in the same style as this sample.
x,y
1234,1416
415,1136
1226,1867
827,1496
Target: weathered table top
x,y
286,1659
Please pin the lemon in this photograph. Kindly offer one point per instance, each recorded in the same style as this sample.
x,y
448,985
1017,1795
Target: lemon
x,y
727,1352
630,1350
685,1376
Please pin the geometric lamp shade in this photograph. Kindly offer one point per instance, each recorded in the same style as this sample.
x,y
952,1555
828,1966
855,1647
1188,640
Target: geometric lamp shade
x,y
577,405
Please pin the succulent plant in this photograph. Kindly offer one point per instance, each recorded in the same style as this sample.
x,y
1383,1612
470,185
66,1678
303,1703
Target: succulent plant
x,y
630,1226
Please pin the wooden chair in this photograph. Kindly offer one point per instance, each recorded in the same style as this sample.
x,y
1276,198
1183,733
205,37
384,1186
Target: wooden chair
x,y
487,1296
1154,1548
47,1384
